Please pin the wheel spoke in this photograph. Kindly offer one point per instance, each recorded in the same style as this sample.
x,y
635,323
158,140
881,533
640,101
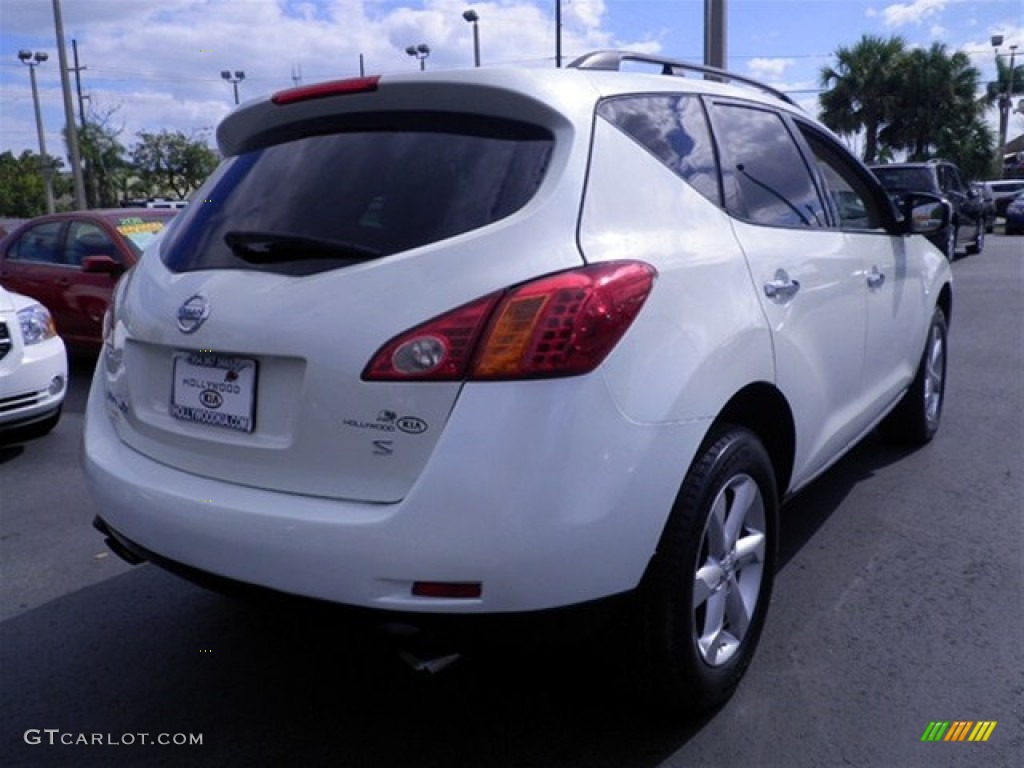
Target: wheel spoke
x,y
736,610
707,579
749,549
714,618
744,496
715,536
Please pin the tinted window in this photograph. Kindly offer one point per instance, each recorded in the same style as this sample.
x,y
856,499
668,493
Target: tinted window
x,y
40,243
87,239
906,179
855,205
764,176
323,201
675,130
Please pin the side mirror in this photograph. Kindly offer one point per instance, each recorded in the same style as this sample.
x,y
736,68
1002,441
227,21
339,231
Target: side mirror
x,y
102,264
924,213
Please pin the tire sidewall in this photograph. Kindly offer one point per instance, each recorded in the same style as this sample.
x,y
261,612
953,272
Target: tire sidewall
x,y
930,427
670,629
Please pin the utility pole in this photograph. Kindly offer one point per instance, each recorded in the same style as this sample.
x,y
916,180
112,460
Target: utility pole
x,y
558,33
87,172
715,33
69,111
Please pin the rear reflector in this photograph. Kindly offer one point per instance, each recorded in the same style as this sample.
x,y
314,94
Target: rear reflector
x,y
323,90
464,590
560,325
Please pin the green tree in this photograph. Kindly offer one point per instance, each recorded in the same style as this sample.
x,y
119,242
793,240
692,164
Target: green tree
x,y
935,99
970,146
995,93
22,192
169,163
104,158
995,90
860,89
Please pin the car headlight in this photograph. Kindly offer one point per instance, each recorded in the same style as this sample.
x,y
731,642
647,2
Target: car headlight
x,y
36,324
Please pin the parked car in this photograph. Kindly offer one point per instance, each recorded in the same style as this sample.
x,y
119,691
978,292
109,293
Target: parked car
x,y
1002,192
490,346
33,369
1015,215
986,202
71,261
939,177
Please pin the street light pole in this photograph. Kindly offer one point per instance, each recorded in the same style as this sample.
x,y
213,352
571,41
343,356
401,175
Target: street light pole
x,y
32,60
421,52
474,18
235,79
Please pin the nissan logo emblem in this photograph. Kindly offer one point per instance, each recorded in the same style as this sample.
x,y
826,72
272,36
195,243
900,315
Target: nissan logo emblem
x,y
193,313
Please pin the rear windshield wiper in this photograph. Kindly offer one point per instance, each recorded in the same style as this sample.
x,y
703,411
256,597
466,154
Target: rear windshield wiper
x,y
273,247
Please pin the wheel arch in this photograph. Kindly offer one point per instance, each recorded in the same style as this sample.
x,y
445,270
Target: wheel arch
x,y
761,408
945,301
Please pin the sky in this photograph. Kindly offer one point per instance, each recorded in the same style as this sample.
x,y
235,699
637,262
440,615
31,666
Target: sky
x,y
150,65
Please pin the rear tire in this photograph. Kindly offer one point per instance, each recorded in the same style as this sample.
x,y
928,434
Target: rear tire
x,y
951,235
979,241
916,418
704,598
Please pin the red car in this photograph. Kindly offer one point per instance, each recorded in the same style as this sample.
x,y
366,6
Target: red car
x,y
70,262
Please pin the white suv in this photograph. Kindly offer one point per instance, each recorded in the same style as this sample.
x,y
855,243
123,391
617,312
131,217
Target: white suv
x,y
499,342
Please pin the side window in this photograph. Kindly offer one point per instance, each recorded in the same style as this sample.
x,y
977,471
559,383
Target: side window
x,y
40,244
87,239
855,205
955,183
764,176
675,130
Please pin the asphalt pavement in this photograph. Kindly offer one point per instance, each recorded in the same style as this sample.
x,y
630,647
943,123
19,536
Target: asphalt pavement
x,y
898,603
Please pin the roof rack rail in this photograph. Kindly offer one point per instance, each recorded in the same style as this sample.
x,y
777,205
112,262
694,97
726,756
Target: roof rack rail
x,y
612,61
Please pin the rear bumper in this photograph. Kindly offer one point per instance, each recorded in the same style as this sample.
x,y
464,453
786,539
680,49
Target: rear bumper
x,y
523,629
547,516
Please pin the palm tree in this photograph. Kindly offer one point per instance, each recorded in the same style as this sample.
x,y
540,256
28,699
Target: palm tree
x,y
935,97
995,90
995,93
860,89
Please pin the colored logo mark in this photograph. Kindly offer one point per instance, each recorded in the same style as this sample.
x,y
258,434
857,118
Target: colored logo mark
x,y
958,730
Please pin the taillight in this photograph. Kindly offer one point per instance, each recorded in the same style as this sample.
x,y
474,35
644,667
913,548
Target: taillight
x,y
322,90
560,325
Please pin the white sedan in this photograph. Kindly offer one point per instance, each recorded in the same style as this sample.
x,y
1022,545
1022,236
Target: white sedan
x,y
33,369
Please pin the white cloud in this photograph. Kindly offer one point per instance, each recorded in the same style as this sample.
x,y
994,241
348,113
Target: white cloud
x,y
769,69
916,12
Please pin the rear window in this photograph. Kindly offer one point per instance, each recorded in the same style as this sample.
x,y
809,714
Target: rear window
x,y
365,190
905,179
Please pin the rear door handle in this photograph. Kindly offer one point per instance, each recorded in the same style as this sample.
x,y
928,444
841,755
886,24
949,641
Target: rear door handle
x,y
875,278
781,288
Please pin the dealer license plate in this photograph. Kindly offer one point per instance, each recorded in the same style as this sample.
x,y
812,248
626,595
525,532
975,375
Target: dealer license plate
x,y
214,389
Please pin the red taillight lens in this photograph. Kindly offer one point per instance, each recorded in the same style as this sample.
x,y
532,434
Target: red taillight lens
x,y
438,350
322,90
560,325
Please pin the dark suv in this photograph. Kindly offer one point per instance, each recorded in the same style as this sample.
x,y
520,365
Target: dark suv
x,y
967,223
